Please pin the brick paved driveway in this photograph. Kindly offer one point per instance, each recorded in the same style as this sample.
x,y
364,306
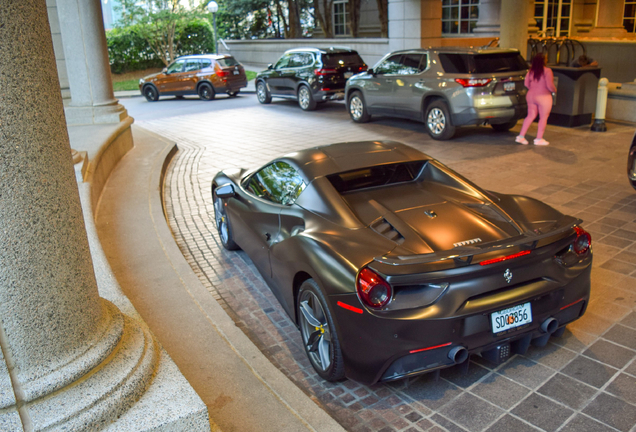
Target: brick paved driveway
x,y
584,381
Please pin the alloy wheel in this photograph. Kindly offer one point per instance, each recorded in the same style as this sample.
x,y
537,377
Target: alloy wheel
x,y
436,121
221,220
304,97
356,108
315,331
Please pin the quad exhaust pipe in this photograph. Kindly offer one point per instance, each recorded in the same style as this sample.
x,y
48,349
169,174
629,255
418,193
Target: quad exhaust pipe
x,y
458,354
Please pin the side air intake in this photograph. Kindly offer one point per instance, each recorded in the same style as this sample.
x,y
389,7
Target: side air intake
x,y
384,228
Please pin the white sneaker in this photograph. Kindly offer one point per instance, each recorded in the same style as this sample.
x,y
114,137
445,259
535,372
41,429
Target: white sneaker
x,y
541,142
521,140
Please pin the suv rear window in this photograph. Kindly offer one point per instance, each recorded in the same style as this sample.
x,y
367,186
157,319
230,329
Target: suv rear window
x,y
348,58
482,63
380,175
227,61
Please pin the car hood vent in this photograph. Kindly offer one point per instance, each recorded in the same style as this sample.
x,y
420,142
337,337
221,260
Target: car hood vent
x,y
385,229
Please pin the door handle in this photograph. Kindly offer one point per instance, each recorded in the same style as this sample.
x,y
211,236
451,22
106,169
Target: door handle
x,y
267,236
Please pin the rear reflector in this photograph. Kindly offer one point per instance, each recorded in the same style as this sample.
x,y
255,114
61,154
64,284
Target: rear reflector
x,y
349,307
429,348
505,258
571,304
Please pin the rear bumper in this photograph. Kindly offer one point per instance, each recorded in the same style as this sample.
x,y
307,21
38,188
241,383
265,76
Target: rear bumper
x,y
474,116
377,349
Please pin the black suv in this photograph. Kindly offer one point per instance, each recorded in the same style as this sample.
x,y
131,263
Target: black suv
x,y
310,75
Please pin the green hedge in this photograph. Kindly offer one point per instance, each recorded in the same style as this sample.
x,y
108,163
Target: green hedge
x,y
130,52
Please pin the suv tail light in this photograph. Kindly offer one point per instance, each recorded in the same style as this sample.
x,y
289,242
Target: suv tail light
x,y
222,73
473,82
363,68
583,241
325,71
374,291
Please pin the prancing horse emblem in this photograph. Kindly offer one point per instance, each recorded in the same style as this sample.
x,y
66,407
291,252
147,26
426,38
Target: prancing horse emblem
x,y
508,275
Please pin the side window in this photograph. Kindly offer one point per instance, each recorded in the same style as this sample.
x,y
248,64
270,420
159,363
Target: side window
x,y
296,60
283,62
176,66
192,65
412,64
390,65
205,63
278,182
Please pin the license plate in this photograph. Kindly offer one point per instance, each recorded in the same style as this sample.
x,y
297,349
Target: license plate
x,y
510,318
236,72
509,86
348,74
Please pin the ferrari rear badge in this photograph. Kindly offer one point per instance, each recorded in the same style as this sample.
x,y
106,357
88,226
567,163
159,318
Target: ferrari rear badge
x,y
431,214
508,275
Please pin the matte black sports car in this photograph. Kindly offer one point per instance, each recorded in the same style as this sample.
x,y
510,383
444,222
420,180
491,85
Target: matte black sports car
x,y
631,167
391,264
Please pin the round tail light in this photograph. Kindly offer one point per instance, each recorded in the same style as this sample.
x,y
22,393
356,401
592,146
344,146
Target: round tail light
x,y
374,291
583,241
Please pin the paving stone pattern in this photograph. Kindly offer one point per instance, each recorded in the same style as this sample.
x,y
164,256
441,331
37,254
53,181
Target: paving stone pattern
x,y
584,381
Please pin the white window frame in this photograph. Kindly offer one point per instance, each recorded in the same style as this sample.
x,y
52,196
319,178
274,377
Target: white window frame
x,y
340,29
629,17
449,6
559,4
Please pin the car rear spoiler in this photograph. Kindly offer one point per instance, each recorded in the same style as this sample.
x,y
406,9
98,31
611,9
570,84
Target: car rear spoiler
x,y
465,254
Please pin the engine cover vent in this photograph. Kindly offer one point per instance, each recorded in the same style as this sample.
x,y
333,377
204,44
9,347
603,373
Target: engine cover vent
x,y
384,228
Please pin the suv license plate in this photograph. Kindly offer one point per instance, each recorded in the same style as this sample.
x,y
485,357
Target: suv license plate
x,y
509,86
348,74
236,72
510,318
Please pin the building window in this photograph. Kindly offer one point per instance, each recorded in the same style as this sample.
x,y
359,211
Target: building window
x,y
629,17
553,17
340,18
459,16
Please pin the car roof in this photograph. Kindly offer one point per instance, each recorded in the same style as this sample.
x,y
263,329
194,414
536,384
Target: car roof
x,y
459,50
330,50
341,157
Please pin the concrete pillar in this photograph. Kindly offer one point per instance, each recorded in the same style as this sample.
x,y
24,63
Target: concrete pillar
x,y
488,23
405,24
609,19
69,358
514,29
86,54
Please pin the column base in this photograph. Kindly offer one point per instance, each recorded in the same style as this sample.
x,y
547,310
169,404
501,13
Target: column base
x,y
82,115
618,32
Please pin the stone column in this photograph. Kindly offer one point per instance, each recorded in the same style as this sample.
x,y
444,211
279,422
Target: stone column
x,y
86,54
70,358
405,24
609,19
488,23
514,25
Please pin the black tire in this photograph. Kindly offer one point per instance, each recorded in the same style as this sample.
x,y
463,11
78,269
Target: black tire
x,y
262,94
151,93
233,93
357,108
504,127
223,226
438,121
206,92
306,99
318,332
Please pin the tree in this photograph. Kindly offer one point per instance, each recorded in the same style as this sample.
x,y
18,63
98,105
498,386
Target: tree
x,y
354,17
322,15
160,22
383,12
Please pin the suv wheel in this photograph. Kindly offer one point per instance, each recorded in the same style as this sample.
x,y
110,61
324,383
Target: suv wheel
x,y
262,93
504,127
438,121
206,92
305,99
151,93
357,109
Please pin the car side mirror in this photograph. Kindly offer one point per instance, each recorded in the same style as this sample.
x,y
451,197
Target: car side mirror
x,y
164,70
371,72
270,66
225,191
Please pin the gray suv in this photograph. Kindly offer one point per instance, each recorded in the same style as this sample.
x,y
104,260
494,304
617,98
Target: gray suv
x,y
444,88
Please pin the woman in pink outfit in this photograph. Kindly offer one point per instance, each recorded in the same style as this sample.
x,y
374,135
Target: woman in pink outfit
x,y
540,84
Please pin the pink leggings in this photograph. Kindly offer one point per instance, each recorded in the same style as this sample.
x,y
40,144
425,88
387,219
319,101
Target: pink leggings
x,y
541,104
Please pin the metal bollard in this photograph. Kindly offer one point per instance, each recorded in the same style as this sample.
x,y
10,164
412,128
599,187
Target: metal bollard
x,y
601,106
